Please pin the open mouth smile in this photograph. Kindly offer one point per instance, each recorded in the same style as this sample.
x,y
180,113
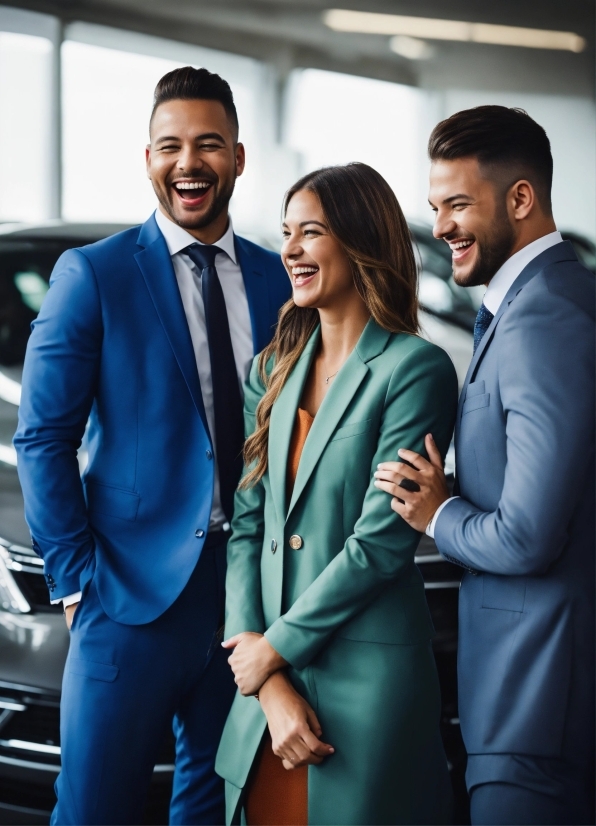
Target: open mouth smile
x,y
303,274
192,193
460,248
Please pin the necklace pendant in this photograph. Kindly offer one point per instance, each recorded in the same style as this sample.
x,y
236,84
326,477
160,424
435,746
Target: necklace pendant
x,y
327,379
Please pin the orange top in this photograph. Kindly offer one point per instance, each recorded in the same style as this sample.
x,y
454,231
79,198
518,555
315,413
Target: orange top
x,y
302,428
277,797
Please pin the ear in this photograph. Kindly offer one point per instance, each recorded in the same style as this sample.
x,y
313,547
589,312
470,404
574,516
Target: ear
x,y
240,158
148,160
521,199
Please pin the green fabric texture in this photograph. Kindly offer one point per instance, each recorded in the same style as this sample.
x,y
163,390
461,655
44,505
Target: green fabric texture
x,y
347,610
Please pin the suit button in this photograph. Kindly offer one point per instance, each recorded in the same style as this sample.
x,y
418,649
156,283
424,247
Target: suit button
x,y
295,542
199,534
208,454
273,546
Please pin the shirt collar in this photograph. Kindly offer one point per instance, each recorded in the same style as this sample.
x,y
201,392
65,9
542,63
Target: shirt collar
x,y
177,238
500,283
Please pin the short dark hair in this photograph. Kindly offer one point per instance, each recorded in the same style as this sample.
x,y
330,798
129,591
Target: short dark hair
x,y
189,83
502,138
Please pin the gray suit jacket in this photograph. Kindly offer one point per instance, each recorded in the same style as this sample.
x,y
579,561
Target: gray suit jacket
x,y
524,527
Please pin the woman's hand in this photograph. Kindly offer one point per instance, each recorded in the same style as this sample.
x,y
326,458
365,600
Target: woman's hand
x,y
253,660
293,725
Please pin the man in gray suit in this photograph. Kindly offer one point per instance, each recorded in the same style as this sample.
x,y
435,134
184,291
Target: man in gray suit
x,y
522,522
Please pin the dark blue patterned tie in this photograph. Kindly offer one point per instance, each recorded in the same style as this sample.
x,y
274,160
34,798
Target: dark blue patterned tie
x,y
483,320
227,399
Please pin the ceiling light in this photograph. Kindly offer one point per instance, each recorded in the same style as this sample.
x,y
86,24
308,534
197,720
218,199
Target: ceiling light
x,y
363,22
410,47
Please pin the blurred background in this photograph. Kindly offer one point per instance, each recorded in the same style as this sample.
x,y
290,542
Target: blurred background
x,y
314,84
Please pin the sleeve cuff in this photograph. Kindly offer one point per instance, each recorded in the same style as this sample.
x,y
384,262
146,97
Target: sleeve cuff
x,y
69,600
430,530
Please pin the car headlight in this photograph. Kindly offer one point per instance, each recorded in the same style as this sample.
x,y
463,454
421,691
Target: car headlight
x,y
11,596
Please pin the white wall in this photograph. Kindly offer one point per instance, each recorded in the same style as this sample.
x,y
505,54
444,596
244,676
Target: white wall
x,y
108,81
25,118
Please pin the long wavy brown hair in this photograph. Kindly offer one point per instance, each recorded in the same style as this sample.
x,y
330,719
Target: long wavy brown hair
x,y
363,214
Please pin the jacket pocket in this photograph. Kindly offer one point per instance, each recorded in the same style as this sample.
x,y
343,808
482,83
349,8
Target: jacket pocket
x,y
475,403
106,672
112,501
351,429
475,388
505,593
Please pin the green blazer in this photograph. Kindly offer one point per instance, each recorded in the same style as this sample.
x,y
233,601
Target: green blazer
x,y
347,608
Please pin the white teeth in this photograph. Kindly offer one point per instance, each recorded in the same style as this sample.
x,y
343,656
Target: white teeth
x,y
303,270
195,185
459,244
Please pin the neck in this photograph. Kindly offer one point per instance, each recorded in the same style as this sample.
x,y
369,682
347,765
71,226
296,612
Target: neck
x,y
341,327
209,234
531,231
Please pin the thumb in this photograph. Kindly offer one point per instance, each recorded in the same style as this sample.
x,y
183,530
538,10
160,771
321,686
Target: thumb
x,y
433,452
232,642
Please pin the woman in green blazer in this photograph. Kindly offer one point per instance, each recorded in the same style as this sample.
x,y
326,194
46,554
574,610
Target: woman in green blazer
x,y
326,612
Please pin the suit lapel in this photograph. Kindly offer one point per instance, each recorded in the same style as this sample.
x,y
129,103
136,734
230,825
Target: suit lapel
x,y
342,391
257,293
559,252
156,267
283,417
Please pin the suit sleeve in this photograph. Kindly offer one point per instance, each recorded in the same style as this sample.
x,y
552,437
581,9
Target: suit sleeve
x,y
421,398
244,609
59,383
546,377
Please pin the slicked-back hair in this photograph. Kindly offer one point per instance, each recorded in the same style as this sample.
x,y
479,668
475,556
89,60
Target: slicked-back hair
x,y
189,83
507,143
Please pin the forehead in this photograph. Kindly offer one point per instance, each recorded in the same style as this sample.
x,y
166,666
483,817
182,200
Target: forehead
x,y
457,177
304,206
186,118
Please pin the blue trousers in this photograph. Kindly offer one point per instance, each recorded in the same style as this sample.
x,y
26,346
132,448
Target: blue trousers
x,y
520,790
125,684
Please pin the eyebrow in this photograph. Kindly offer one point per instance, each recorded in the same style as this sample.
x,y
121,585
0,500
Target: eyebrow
x,y
205,136
454,198
304,223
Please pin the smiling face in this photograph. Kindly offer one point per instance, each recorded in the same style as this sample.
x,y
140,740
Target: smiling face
x,y
472,217
193,161
319,269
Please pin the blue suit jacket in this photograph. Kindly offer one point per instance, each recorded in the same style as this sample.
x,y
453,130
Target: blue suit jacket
x,y
111,344
525,522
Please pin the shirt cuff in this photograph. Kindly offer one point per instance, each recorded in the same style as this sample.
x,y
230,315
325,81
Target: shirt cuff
x,y
69,600
430,530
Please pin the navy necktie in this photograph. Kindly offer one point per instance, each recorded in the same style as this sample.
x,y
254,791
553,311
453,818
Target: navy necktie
x,y
483,320
227,399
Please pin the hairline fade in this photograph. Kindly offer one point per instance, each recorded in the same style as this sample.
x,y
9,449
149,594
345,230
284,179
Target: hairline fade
x,y
502,139
189,83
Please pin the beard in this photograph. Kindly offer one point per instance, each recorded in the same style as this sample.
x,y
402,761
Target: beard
x,y
492,253
220,203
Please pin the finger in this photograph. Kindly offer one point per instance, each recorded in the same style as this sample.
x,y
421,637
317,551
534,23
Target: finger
x,y
396,490
232,642
316,746
398,471
419,462
398,507
433,451
313,722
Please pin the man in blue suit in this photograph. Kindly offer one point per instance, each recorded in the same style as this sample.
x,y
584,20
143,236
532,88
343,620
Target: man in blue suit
x,y
148,335
522,522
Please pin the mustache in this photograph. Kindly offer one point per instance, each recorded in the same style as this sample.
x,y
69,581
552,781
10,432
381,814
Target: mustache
x,y
197,175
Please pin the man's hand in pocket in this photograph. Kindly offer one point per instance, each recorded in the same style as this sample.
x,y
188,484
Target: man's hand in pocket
x,y
69,613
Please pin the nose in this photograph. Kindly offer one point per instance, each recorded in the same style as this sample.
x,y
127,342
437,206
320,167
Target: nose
x,y
291,247
444,225
189,159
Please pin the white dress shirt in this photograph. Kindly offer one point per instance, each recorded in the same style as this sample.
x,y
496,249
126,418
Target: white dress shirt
x,y
497,289
188,277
